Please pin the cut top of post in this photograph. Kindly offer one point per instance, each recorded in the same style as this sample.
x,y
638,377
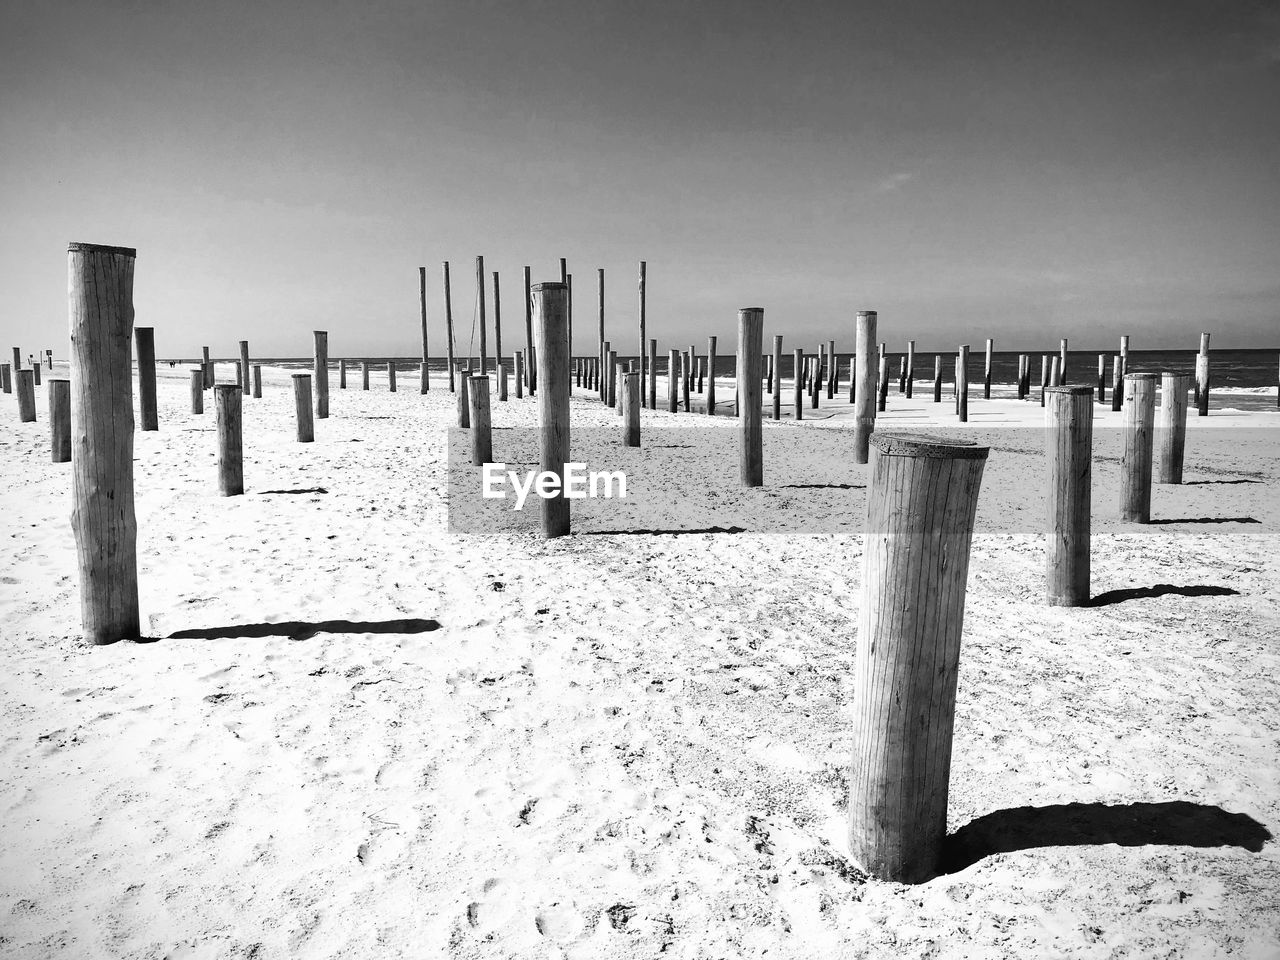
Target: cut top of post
x,y
925,445
1142,376
99,248
549,285
1075,389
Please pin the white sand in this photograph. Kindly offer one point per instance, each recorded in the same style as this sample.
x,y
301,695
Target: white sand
x,y
613,746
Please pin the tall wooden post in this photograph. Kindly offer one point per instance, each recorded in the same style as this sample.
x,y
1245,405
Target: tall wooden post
x,y
1102,378
480,298
257,381
1171,427
208,369
463,399
497,322
391,376
530,355
100,291
711,376
937,378
226,405
673,381
831,369
685,376
631,409
1062,362
26,391
777,376
751,446
144,338
481,422
920,511
244,367
550,307
1068,419
864,404
797,385
425,383
60,419
1202,377
1117,382
35,370
702,375
302,403
1044,375
1055,372
242,375
986,370
962,383
448,324
653,374
197,389
911,366
568,308
902,375
502,382
321,375
1124,354
1139,434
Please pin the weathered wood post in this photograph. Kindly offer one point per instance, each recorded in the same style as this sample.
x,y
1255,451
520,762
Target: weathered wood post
x,y
1124,356
692,368
1202,377
962,382
462,396
685,377
702,375
207,366
242,375
955,384
26,390
673,383
144,337
519,360
35,371
391,376
481,422
364,374
631,409
257,381
902,375
321,374
550,307
602,387
652,352
911,366
6,378
653,374
480,306
1117,382
502,382
797,386
48,357
1171,427
17,359
244,368
448,323
1068,419
342,373
921,503
531,370
831,369
1044,375
60,419
425,381
226,405
1139,436
1055,372
777,376
768,374
884,386
986,370
751,449
197,389
100,293
864,404
1062,363
1102,378
711,376
302,403
937,378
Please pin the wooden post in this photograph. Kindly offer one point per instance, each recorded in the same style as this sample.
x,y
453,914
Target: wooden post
x,y
425,383
920,511
6,378
364,374
481,423
884,387
955,384
691,369
631,409
1068,419
302,401
208,369
391,376
497,323
652,352
986,370
815,380
1139,435
17,359
242,375
448,323
831,369
1117,382
550,306
911,366
463,399
502,382
1202,377
602,388
26,390
777,376
530,354
1171,427
702,375
768,375
962,383
711,376
197,389
144,338
568,308
937,378
480,298
519,357
321,375
60,419
342,373
673,383
619,372
864,404
751,449
902,375
48,356
244,367
685,376
1044,375
35,371
226,405
653,374
257,381
797,385
1062,363
1055,372
100,294
600,347
1124,357
1102,378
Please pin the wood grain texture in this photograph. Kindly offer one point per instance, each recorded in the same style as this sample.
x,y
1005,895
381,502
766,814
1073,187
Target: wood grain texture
x,y
1068,420
1138,431
306,432
1171,427
750,430
920,511
244,368
145,345
1117,382
320,373
502,382
481,421
197,390
866,370
673,381
551,331
1202,385
226,405
59,419
208,369
25,389
100,294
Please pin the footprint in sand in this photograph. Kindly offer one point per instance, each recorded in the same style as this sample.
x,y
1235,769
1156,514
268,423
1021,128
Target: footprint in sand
x,y
559,922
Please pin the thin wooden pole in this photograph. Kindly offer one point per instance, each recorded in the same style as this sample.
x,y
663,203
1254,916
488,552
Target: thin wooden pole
x,y
502,382
144,339
911,366
1139,435
750,431
60,419
937,378
244,367
568,309
364,374
302,404
902,375
257,381
342,373
197,389
208,369
962,383
497,321
602,387
481,422
6,377
425,383
1044,375
921,503
777,376
815,379
463,399
631,409
1202,377
711,376
1055,372
391,376
551,307
653,374
1171,427
1068,419
100,291
321,375
673,382
448,324
1117,382
519,356
1062,362
831,369
1102,378
1124,357
652,353
702,375
610,377
685,377
797,385
17,359
226,404
986,370
484,342
884,388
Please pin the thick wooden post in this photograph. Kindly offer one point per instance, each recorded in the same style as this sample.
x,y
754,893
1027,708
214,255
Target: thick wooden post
x,y
364,374
391,376
1171,427
321,374
26,390
864,403
1124,357
653,355
144,339
481,422
673,381
6,378
1102,378
17,359
815,380
35,371
519,359
502,382
986,370
920,511
777,376
711,376
448,323
1202,377
1068,419
226,405
244,368
302,402
60,419
1055,374
1139,435
100,293
342,373
425,381
197,389
653,374
463,398
257,381
962,382
208,369
242,375
751,447
550,307
631,409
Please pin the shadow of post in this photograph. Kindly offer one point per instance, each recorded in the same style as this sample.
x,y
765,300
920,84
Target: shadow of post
x,y
305,630
1160,590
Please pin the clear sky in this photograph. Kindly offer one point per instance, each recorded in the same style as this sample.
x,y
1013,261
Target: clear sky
x,y
1024,170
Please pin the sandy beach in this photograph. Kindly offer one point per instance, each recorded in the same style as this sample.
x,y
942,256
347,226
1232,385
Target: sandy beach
x,y
355,733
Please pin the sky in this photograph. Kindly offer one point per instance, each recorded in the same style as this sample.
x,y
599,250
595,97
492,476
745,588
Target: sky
x,y
1018,170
